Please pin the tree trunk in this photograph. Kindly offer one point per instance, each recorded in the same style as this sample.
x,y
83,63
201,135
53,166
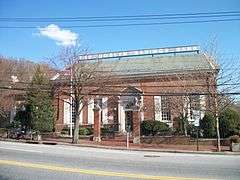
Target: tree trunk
x,y
76,131
76,124
185,123
185,128
217,123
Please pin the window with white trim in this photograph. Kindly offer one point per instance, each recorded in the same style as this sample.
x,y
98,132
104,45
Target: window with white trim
x,y
73,112
157,108
165,108
194,102
66,111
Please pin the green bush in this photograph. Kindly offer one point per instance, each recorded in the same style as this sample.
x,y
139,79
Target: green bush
x,y
207,125
85,131
192,130
150,127
14,125
160,127
147,127
65,130
3,119
182,125
24,118
90,130
229,123
106,129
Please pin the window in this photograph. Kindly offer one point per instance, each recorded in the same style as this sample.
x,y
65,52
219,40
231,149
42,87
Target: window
x,y
66,111
73,112
90,111
165,108
157,106
194,102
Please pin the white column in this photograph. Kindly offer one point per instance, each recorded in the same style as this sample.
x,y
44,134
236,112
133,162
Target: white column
x,y
90,111
142,112
105,110
121,117
66,111
13,113
157,108
202,106
142,116
188,106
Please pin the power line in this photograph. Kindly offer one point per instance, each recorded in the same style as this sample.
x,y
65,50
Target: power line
x,y
125,16
116,19
145,93
129,24
142,86
163,94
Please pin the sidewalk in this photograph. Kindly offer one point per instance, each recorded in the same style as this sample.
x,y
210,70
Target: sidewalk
x,y
111,144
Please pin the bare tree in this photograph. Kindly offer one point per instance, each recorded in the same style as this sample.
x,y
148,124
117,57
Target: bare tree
x,y
227,82
223,83
218,86
183,95
81,80
11,72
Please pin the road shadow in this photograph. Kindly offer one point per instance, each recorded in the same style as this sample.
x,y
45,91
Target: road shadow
x,y
4,178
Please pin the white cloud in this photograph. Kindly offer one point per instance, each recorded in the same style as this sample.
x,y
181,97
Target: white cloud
x,y
62,37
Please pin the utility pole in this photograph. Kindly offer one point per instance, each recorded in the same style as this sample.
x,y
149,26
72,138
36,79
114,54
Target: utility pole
x,y
71,102
217,122
216,114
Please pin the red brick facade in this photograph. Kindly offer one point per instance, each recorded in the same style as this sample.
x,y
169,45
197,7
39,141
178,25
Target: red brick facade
x,y
159,95
148,86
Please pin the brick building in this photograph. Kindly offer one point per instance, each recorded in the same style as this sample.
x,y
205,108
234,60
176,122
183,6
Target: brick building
x,y
152,84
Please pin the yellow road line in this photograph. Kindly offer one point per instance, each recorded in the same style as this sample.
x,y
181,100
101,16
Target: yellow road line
x,y
86,171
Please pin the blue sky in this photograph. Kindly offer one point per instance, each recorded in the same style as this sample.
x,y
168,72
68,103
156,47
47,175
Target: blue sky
x,y
31,44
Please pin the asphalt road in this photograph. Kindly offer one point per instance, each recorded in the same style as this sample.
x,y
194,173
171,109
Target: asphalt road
x,y
28,161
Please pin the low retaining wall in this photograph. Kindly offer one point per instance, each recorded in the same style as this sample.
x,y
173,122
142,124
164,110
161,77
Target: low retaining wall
x,y
50,135
165,139
184,140
224,142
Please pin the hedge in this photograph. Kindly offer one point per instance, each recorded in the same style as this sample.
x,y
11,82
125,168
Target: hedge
x,y
151,127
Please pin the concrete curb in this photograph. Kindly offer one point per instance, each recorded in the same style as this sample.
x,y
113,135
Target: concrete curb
x,y
124,148
152,150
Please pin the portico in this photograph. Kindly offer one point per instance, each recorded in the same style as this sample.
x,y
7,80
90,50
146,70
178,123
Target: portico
x,y
128,105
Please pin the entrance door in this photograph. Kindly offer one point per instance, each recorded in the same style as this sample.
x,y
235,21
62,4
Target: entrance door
x,y
129,121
